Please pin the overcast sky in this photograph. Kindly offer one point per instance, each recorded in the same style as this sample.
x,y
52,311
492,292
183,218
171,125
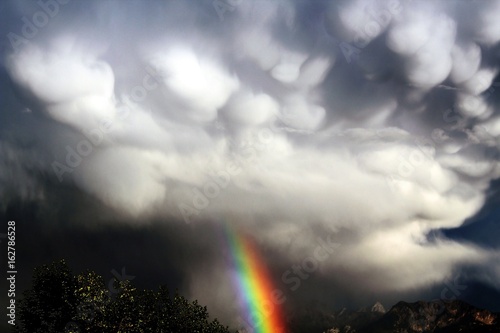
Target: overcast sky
x,y
132,131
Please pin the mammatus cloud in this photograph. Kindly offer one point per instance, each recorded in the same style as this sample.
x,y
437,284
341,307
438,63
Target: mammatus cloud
x,y
256,118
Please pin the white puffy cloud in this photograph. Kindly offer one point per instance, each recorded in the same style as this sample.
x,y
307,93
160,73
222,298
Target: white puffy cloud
x,y
250,109
432,62
487,27
201,85
480,81
400,262
409,32
288,68
259,46
298,113
466,61
365,20
313,71
125,178
76,87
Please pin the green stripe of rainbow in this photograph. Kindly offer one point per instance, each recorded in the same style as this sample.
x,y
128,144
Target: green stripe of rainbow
x,y
255,286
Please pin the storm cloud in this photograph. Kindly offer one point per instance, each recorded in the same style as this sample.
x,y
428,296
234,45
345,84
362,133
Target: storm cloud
x,y
374,123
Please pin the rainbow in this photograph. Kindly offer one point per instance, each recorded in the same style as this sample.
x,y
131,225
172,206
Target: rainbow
x,y
255,287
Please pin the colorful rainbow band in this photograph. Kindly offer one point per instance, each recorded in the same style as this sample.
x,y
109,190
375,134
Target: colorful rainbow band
x,y
255,287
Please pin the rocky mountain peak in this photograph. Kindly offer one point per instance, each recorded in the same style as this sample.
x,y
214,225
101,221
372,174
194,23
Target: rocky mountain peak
x,y
378,307
437,316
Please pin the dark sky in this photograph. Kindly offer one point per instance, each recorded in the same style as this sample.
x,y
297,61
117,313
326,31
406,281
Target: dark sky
x,y
132,132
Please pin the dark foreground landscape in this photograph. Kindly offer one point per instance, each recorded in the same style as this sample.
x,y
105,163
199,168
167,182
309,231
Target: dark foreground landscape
x,y
60,301
436,316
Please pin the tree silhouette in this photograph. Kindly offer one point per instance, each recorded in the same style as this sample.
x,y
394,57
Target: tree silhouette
x,y
62,302
51,302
